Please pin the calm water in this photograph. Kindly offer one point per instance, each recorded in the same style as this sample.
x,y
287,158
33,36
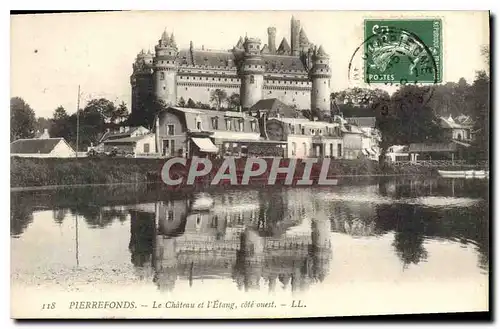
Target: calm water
x,y
376,240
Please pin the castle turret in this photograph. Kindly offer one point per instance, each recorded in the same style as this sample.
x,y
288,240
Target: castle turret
x,y
271,39
251,73
295,36
320,75
165,69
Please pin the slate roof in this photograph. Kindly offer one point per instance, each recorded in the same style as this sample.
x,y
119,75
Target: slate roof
x,y
432,147
126,139
273,106
368,122
117,135
34,146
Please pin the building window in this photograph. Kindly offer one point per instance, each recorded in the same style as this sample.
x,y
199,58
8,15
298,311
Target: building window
x,y
146,148
253,125
215,123
240,126
303,130
198,125
228,124
294,149
170,130
162,75
166,147
339,150
313,131
252,79
170,215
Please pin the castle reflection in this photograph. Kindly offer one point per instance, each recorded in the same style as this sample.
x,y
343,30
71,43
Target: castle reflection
x,y
242,235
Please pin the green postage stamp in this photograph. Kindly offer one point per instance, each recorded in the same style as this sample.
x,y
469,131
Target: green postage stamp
x,y
405,51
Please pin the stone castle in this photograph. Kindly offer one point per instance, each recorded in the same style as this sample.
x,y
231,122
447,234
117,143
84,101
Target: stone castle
x,y
297,73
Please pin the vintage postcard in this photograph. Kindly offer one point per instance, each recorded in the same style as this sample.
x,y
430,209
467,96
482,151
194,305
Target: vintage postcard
x,y
259,164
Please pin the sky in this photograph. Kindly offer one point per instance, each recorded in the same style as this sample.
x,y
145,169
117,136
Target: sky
x,y
52,54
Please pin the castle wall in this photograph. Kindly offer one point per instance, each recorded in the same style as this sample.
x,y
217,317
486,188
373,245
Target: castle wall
x,y
200,90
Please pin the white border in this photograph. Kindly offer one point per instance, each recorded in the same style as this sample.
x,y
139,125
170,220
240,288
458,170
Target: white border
x,y
189,5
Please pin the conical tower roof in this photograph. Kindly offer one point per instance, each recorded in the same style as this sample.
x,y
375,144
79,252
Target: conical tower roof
x,y
284,47
321,52
164,36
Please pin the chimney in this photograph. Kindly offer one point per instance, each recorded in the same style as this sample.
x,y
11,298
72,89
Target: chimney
x,y
271,39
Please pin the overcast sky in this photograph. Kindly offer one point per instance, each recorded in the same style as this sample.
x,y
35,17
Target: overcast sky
x,y
51,54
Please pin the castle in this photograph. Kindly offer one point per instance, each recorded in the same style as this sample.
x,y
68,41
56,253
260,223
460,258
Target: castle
x,y
298,73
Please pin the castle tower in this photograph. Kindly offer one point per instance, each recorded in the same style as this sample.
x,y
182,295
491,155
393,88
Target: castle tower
x,y
271,39
320,75
251,73
295,36
165,69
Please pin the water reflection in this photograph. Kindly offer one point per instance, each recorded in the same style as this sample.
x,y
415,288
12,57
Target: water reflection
x,y
279,238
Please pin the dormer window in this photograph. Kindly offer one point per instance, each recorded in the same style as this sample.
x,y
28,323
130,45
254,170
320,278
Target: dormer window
x,y
215,123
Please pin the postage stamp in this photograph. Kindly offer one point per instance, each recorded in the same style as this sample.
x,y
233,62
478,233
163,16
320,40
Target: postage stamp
x,y
403,51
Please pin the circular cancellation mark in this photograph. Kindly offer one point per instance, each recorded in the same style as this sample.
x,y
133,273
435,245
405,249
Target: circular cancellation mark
x,y
395,57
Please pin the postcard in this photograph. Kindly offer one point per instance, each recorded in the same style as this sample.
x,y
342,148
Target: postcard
x,y
249,164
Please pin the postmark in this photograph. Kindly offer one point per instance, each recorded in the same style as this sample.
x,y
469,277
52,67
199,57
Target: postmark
x,y
403,51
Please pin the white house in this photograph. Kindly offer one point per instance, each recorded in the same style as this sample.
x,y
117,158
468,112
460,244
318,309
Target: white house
x,y
42,148
123,132
397,153
138,146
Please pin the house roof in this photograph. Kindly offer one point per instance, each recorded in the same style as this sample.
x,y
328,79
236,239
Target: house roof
x,y
368,122
450,123
116,135
432,147
208,117
275,106
35,146
126,139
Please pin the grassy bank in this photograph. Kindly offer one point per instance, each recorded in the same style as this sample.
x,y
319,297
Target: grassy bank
x,y
32,172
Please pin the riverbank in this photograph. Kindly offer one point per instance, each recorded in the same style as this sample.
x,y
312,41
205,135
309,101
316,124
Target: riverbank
x,y
38,173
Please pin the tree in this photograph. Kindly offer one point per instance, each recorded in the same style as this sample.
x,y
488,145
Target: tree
x,y
182,102
60,124
22,119
406,118
120,114
479,99
191,104
218,97
234,100
42,124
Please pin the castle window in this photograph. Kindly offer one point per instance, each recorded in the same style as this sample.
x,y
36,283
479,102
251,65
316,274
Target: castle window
x,y
164,88
251,46
270,92
296,93
240,125
162,75
170,215
303,130
252,79
285,92
186,88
